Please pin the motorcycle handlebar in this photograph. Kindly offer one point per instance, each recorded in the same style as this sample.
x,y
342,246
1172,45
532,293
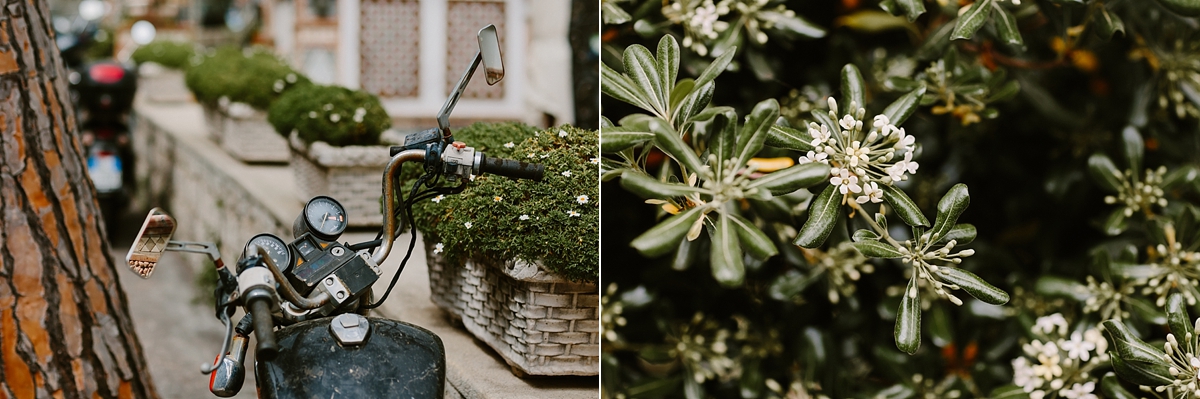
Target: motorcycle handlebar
x,y
264,330
512,168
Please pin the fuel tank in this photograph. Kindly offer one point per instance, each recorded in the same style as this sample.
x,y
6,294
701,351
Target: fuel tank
x,y
395,360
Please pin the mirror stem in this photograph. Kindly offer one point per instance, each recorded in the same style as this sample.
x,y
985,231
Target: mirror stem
x,y
443,116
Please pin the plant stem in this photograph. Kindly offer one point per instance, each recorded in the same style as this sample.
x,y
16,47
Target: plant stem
x,y
871,221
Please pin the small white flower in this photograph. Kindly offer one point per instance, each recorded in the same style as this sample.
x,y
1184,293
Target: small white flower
x,y
848,122
531,155
523,217
857,154
595,161
291,78
471,176
881,121
335,118
1049,324
871,192
358,118
904,141
497,198
846,181
360,111
328,107
820,134
312,114
278,86
567,173
814,157
909,165
1077,348
1095,337
468,224
1080,391
562,133
438,198
509,145
582,199
437,249
573,214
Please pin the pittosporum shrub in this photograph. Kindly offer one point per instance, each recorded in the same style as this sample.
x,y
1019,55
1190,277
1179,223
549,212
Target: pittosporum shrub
x,y
333,114
170,54
254,76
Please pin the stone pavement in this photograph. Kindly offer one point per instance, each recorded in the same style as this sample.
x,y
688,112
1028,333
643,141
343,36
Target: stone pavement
x,y
178,335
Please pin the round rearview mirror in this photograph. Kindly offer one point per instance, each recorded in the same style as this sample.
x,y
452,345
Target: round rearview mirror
x,y
142,32
92,10
489,50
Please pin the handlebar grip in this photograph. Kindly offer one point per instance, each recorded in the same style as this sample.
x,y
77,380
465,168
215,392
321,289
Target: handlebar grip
x,y
512,168
264,330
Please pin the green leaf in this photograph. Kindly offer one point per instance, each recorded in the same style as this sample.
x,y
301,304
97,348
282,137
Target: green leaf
x,y
1116,222
962,233
1104,172
753,240
727,265
853,89
789,138
670,143
621,88
876,249
890,6
612,14
1134,147
647,186
935,44
1107,23
823,213
1010,391
1146,310
715,68
789,285
1005,92
642,70
665,236
1133,359
685,254
613,140
970,21
668,66
1183,175
1177,315
864,235
949,208
908,319
973,285
1111,387
904,206
939,326
1055,286
1190,8
793,178
914,8
1006,26
898,111
754,133
723,138
693,103
681,90
792,23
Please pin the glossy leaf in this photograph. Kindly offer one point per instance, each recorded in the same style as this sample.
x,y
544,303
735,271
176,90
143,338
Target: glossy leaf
x,y
646,186
723,138
970,21
864,235
715,68
686,254
667,58
1055,286
665,236
1146,310
789,285
789,138
1116,222
1134,148
908,319
935,44
1190,8
1006,26
1111,387
670,143
898,111
1107,23
622,88
904,206
1104,172
642,70
1005,92
753,240
949,208
973,285
793,178
823,214
877,249
1010,391
613,140
726,260
792,23
693,103
1177,315
1183,175
890,6
913,8
612,13
853,89
1139,362
962,233
754,133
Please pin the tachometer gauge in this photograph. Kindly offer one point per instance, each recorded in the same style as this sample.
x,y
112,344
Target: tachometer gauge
x,y
324,217
276,249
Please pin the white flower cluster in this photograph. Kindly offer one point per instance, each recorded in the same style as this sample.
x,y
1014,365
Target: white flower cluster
x,y
843,266
1105,298
1136,194
1185,366
700,20
754,23
921,252
1061,365
1177,269
861,160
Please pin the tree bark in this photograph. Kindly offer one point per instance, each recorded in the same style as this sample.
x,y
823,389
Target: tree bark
x,y
65,328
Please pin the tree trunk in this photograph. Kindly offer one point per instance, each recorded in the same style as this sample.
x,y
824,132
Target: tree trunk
x,y
65,328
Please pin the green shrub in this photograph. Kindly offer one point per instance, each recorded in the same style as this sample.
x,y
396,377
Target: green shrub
x,y
554,222
170,54
335,115
252,76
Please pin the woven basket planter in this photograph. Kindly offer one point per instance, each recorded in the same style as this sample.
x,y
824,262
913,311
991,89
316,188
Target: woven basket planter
x,y
353,175
539,323
248,137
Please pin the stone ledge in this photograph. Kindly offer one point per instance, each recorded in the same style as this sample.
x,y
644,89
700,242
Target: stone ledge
x,y
216,198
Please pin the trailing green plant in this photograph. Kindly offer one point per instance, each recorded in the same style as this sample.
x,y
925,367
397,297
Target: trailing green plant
x,y
554,223
170,54
333,114
254,76
1073,122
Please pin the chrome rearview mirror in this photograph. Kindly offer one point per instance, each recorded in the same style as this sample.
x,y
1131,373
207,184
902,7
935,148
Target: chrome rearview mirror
x,y
151,242
489,50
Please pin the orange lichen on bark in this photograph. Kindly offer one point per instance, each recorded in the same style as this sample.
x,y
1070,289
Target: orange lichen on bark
x,y
68,314
126,390
17,375
96,296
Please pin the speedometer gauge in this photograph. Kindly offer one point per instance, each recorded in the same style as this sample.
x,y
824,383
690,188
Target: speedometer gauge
x,y
324,217
276,249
